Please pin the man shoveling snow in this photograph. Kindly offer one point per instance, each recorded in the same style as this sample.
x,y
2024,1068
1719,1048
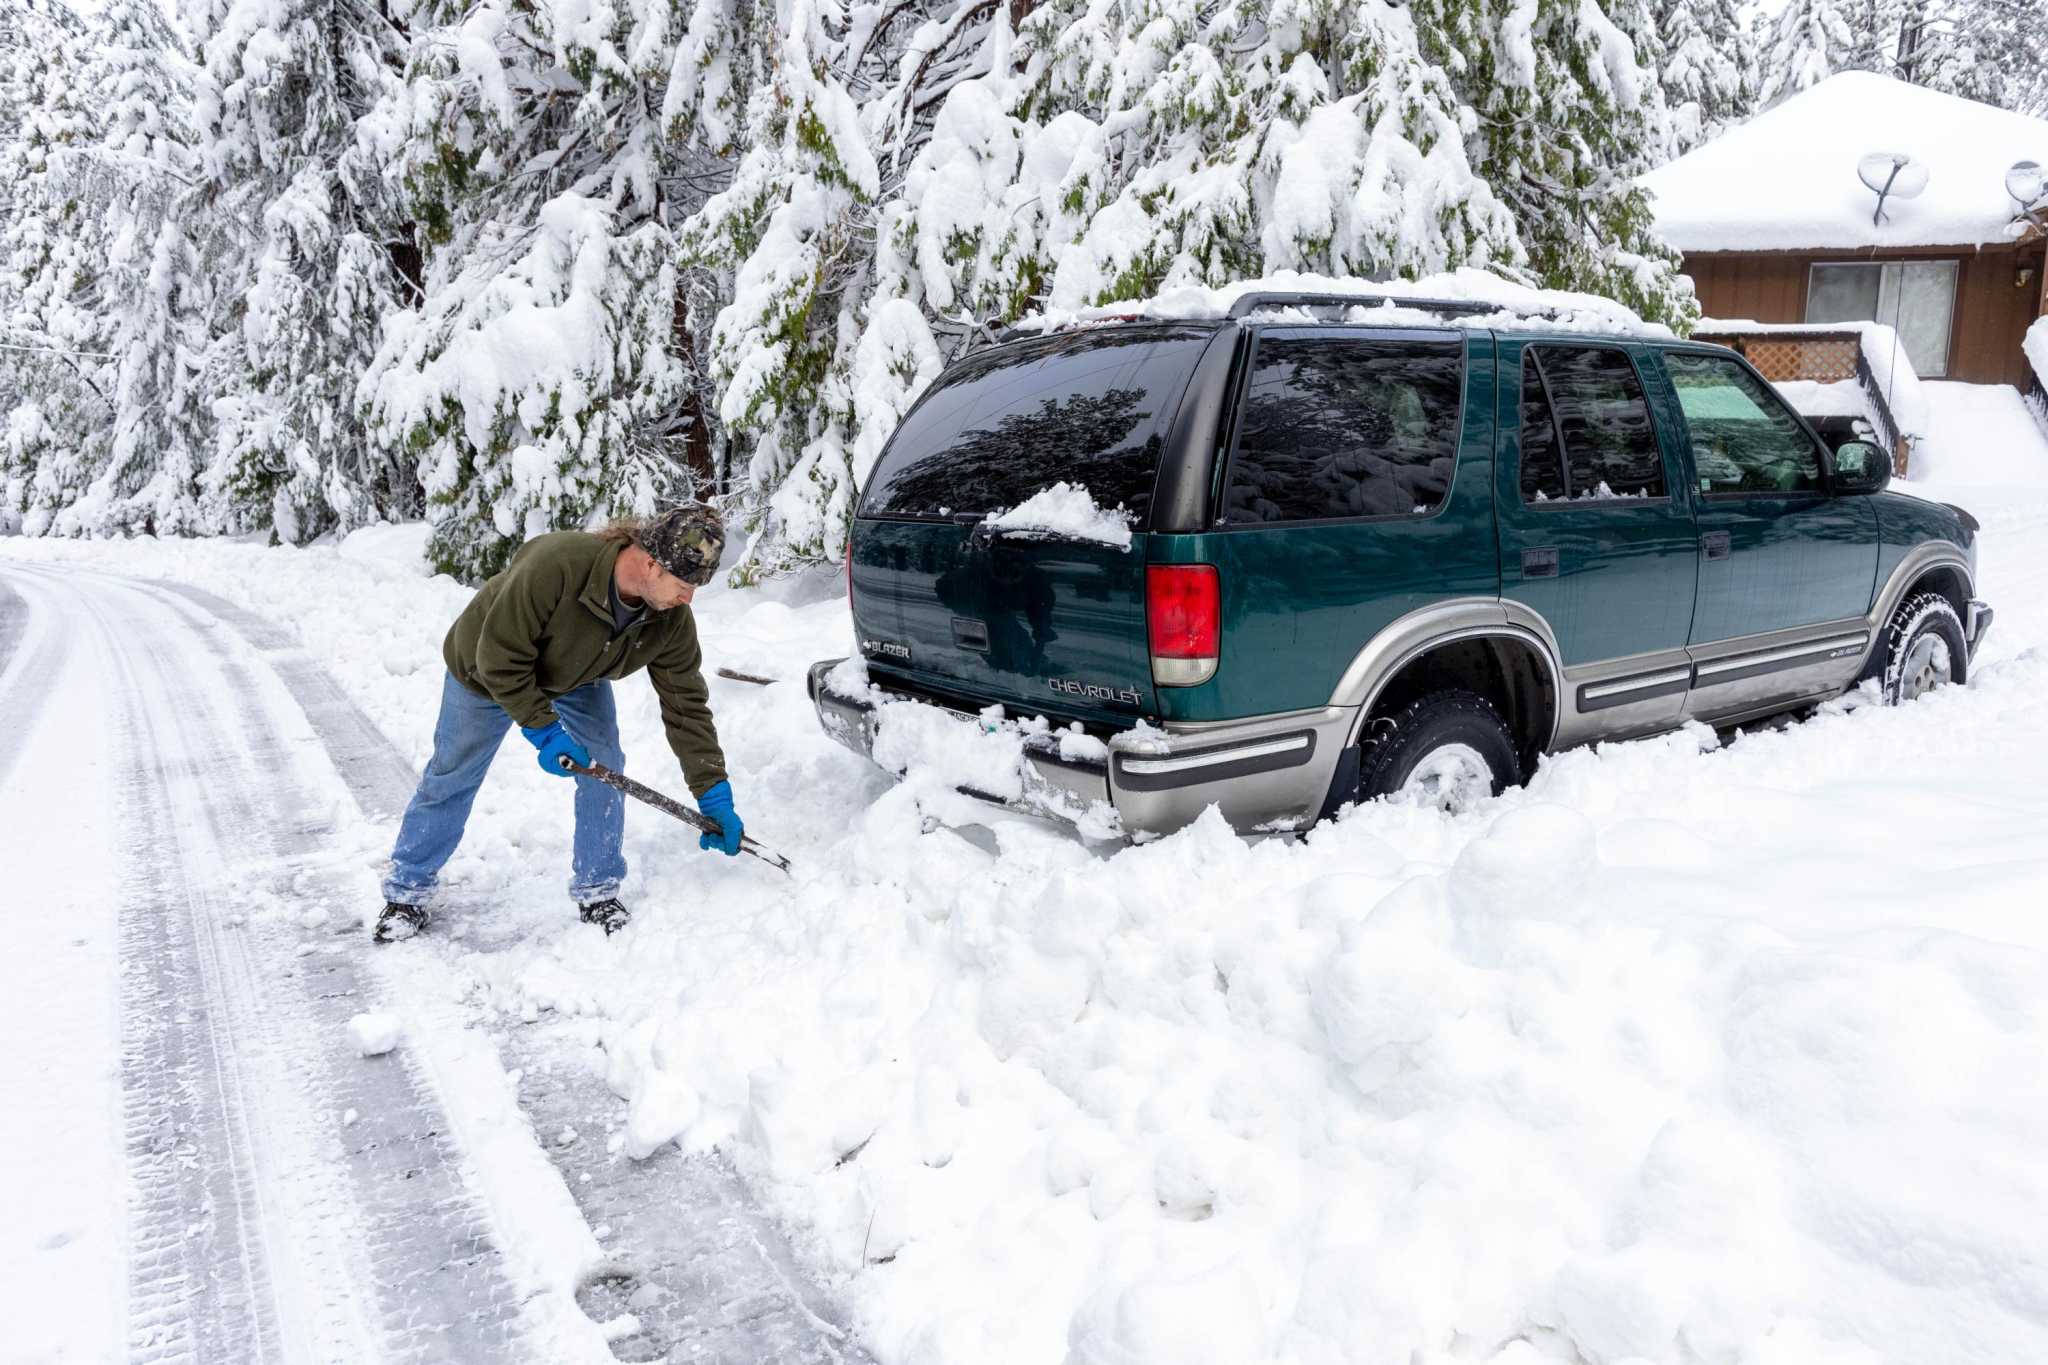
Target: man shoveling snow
x,y
539,645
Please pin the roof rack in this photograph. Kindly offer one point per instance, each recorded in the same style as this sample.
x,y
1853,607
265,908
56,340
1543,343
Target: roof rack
x,y
1246,304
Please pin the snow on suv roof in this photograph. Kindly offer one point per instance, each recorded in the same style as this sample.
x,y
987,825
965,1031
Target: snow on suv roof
x,y
1496,303
1787,178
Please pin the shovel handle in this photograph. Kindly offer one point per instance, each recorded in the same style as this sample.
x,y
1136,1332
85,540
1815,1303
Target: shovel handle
x,y
668,805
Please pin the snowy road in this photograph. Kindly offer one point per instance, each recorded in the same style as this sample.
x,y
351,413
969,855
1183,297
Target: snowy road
x,y
272,1195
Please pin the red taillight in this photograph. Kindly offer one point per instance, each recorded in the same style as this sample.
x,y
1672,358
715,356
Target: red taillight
x,y
1183,618
849,572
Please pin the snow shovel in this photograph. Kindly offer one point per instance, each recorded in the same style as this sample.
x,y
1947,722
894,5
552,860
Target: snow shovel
x,y
620,782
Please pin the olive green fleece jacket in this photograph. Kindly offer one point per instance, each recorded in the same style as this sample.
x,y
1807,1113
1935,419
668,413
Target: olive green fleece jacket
x,y
543,628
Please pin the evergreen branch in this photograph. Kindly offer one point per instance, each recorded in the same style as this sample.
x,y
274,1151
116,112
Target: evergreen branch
x,y
981,9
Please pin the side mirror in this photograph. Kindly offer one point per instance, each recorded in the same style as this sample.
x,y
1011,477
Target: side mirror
x,y
1861,467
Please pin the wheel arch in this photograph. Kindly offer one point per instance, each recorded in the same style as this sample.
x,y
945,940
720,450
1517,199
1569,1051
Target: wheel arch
x,y
1495,648
1932,566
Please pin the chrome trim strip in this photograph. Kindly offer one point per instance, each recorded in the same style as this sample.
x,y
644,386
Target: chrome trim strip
x,y
1770,656
1158,767
1636,683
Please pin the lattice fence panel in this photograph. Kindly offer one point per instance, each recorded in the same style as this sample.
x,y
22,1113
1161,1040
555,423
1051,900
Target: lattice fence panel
x,y
1823,359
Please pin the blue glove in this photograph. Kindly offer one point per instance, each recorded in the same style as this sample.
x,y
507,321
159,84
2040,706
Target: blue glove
x,y
554,743
717,805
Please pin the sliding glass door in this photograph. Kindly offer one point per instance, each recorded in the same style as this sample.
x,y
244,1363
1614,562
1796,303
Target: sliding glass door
x,y
1916,297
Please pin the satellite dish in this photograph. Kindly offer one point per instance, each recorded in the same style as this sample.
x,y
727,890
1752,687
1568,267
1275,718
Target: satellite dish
x,y
1888,175
2026,182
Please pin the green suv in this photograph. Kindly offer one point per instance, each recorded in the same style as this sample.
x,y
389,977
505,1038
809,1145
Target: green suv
x,y
1373,559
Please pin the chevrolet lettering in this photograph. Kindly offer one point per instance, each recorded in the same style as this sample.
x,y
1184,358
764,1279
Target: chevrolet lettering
x,y
1121,696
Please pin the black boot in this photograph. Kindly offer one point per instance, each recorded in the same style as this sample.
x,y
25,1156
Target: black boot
x,y
399,922
612,915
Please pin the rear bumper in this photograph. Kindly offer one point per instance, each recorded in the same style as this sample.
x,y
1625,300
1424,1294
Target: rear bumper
x,y
1264,773
1977,624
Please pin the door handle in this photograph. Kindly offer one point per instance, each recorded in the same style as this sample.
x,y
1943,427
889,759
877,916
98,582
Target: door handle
x,y
1541,563
1714,545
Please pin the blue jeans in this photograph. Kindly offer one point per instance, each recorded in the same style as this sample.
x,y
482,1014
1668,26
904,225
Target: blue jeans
x,y
466,737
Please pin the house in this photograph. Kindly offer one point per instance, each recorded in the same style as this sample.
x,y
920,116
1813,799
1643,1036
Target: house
x,y
1777,225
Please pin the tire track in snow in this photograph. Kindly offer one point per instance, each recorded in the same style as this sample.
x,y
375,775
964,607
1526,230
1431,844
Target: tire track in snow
x,y
29,661
702,1272
264,1227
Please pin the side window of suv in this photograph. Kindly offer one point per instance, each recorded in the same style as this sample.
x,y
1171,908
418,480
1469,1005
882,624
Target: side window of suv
x,y
1744,438
1586,432
1339,427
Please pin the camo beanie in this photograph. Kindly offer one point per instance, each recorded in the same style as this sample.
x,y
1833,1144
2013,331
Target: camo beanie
x,y
687,540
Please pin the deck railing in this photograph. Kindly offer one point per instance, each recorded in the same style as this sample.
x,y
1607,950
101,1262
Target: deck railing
x,y
1880,411
2036,399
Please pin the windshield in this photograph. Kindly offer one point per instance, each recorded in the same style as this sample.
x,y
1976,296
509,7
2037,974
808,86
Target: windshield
x,y
1088,408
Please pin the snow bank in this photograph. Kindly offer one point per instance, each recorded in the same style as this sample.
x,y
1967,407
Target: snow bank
x,y
1629,1064
402,547
2035,344
1981,434
1787,178
1066,511
1517,304
1887,360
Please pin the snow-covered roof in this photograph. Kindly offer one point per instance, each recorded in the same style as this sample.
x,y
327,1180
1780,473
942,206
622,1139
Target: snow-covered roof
x,y
1504,304
1787,178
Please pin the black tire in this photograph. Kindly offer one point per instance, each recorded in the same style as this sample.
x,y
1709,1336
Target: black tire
x,y
1395,746
1924,648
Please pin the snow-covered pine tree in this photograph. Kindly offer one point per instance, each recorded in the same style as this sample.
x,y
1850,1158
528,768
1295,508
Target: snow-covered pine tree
x,y
1062,154
53,247
1810,41
2009,41
156,300
1709,70
537,380
286,83
1563,124
789,233
1639,21
1279,136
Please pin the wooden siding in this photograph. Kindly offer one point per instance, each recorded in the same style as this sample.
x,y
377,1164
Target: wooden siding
x,y
1992,311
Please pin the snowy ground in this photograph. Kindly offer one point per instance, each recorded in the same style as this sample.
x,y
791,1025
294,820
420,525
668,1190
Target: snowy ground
x,y
1693,1050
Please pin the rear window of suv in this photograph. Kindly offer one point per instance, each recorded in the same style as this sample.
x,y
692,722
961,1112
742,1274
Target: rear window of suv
x,y
1089,408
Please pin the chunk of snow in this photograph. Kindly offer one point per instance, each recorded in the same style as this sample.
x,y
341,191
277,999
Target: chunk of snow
x,y
375,1034
1066,511
2035,345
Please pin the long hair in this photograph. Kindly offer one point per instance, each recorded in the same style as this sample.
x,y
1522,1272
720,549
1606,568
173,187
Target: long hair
x,y
623,530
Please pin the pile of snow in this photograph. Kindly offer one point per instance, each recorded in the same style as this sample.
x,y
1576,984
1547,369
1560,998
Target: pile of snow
x,y
940,753
1981,434
2035,345
1887,359
1066,511
1628,1064
1809,398
1510,304
402,547
1787,178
